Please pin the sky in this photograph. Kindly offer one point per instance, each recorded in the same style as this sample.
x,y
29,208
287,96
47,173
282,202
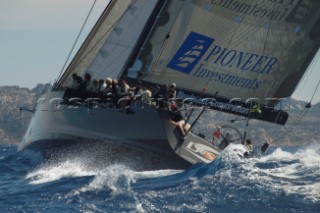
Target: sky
x,y
37,36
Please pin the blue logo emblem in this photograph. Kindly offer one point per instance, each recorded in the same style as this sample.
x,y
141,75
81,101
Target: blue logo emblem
x,y
190,52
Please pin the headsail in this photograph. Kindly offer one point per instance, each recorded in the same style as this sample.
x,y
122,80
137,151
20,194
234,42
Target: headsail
x,y
111,42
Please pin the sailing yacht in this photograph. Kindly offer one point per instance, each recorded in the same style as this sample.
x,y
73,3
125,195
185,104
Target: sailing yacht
x,y
223,55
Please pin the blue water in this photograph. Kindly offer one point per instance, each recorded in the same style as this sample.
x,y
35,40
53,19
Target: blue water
x,y
284,180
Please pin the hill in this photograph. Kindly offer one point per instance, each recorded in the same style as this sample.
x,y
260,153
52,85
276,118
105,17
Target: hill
x,y
13,122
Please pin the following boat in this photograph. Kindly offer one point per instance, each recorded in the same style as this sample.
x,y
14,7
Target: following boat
x,y
236,57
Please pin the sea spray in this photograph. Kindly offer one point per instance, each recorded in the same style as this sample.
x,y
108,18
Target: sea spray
x,y
284,179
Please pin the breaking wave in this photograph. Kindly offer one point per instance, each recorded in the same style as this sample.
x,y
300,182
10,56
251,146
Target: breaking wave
x,y
283,180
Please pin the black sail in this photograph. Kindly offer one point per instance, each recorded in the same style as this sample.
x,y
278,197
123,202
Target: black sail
x,y
238,49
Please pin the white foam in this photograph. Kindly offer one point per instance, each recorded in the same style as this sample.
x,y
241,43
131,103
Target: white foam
x,y
310,157
283,172
233,152
290,173
118,178
49,173
278,155
310,191
156,174
139,208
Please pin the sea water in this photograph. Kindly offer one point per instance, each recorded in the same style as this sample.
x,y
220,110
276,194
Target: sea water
x,y
283,180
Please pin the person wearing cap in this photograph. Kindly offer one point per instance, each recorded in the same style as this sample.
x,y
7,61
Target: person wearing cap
x,y
177,118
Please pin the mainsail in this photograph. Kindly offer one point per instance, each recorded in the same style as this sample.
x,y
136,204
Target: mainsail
x,y
243,49
238,49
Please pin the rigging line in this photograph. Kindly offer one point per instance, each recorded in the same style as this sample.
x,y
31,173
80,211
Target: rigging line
x,y
307,75
98,40
165,41
76,41
306,109
302,114
287,130
295,122
300,117
247,128
315,91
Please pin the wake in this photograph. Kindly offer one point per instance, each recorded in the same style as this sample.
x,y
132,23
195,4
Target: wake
x,y
282,171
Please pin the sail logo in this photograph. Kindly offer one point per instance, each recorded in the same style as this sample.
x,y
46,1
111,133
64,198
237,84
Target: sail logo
x,y
190,52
